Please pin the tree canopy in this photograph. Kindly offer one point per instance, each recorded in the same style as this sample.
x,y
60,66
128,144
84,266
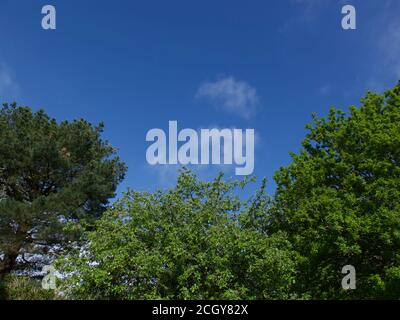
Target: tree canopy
x,y
52,175
336,204
339,200
195,241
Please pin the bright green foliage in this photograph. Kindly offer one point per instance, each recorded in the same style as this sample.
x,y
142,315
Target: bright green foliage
x,y
50,173
338,203
185,243
339,200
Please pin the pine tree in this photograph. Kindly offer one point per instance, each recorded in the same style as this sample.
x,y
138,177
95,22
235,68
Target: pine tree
x,y
55,180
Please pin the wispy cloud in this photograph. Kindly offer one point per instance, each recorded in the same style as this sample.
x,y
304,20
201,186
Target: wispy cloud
x,y
389,48
307,11
325,90
310,8
384,43
167,174
8,85
235,96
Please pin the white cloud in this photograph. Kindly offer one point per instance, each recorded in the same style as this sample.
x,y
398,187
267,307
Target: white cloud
x,y
231,95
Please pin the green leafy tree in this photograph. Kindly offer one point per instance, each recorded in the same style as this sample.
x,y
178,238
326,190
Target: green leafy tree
x,y
339,200
195,241
52,175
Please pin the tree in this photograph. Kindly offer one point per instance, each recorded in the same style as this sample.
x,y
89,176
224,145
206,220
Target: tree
x,y
339,200
184,243
52,175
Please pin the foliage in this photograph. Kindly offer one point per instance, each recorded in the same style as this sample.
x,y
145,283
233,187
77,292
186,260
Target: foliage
x,y
24,288
50,174
185,243
339,201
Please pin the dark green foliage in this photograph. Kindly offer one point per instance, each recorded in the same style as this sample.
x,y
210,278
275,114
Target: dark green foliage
x,y
50,173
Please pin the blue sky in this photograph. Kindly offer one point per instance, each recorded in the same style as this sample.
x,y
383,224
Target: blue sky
x,y
138,64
